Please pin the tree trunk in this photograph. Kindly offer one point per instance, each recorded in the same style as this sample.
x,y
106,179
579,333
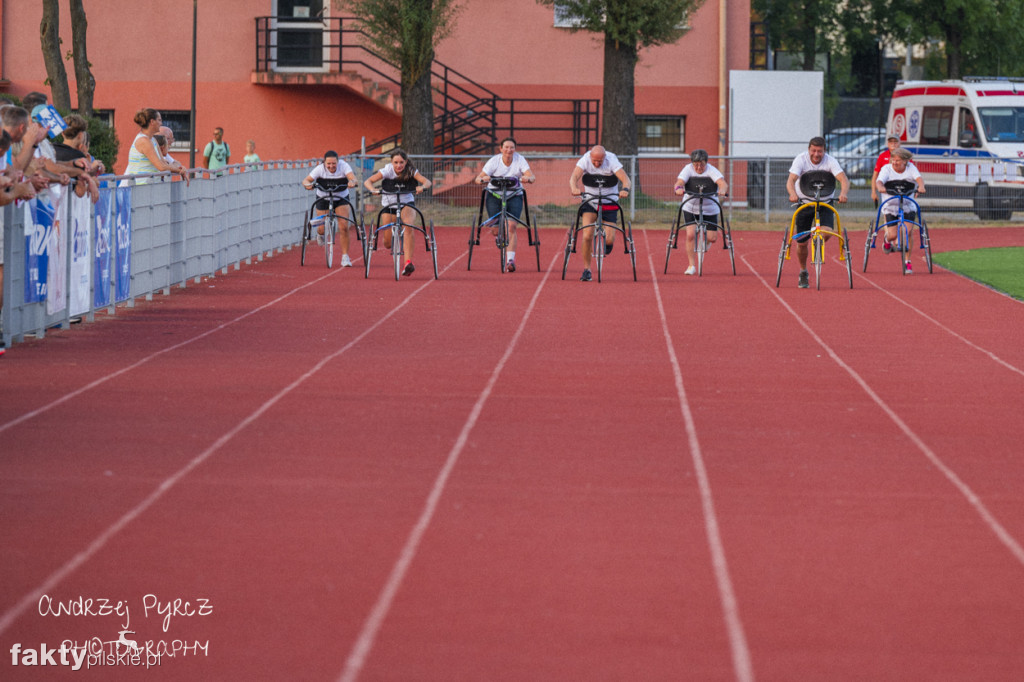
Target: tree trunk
x,y
49,33
418,115
954,48
618,125
85,82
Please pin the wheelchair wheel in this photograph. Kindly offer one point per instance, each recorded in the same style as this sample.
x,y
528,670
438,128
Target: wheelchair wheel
x,y
330,231
903,245
502,241
869,244
305,240
397,237
369,246
432,247
673,242
632,247
702,246
817,258
727,243
474,240
568,250
782,258
926,244
534,237
597,252
849,260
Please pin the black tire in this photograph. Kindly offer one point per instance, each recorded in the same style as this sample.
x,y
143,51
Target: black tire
x,y
782,258
474,239
817,258
330,232
305,240
432,245
503,240
702,246
849,259
631,245
673,242
535,243
727,236
926,244
597,250
397,242
868,245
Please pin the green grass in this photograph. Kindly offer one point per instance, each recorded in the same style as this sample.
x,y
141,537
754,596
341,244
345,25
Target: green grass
x,y
1000,268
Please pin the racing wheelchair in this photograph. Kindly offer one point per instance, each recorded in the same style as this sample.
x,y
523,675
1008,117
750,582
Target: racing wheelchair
x,y
816,184
397,226
902,193
700,188
330,220
605,201
503,220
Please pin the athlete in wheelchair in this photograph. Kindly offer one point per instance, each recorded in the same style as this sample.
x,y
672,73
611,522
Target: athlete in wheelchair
x,y
700,213
600,181
815,216
504,204
899,214
331,213
400,183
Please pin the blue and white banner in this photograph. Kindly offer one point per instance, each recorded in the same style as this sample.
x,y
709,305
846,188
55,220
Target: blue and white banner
x,y
57,269
101,252
38,228
123,246
79,283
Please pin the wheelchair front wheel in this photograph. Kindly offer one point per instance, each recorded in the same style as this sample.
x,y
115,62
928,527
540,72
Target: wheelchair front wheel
x,y
817,258
701,246
727,243
782,258
396,248
849,260
869,244
926,244
597,250
432,246
306,229
474,240
330,231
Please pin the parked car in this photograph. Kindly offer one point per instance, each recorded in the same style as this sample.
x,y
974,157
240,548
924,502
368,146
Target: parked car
x,y
858,156
841,137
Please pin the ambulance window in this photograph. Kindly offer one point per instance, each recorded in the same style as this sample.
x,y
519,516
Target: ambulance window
x,y
936,125
967,131
1003,124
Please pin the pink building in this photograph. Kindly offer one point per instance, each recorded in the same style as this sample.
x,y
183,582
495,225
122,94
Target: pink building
x,y
297,86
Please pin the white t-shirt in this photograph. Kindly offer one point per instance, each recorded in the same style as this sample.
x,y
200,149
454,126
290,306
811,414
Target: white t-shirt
x,y
910,173
496,168
693,205
389,173
341,174
609,166
802,164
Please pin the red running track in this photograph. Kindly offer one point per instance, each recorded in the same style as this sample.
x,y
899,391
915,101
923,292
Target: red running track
x,y
510,477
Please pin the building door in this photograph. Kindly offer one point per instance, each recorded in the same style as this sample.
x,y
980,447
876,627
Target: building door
x,y
298,42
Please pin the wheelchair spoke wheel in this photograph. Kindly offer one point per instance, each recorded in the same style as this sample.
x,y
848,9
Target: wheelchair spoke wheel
x,y
535,242
568,250
369,246
673,241
330,230
432,245
849,260
474,239
397,237
869,243
305,240
503,240
903,245
727,236
818,257
702,246
632,248
598,251
782,258
926,244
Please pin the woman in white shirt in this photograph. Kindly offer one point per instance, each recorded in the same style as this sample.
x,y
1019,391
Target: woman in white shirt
x,y
508,164
399,169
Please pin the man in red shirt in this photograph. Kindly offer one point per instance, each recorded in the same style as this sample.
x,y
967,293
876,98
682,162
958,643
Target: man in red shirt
x,y
882,162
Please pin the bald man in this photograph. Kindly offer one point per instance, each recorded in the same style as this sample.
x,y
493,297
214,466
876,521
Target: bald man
x,y
598,161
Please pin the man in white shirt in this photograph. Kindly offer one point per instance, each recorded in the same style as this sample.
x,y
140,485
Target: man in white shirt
x,y
814,159
597,161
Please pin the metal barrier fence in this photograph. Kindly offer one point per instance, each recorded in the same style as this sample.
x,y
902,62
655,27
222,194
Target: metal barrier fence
x,y
177,232
78,258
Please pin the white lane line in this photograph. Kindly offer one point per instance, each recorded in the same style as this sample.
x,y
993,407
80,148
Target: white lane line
x,y
990,354
32,597
972,498
135,365
741,663
364,643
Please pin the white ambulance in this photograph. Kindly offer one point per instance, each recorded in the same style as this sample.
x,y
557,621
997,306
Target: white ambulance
x,y
967,137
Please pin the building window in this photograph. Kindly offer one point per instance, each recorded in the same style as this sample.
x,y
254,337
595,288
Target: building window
x,y
178,122
661,133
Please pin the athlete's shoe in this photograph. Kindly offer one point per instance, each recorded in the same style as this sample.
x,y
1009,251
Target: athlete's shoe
x,y
409,268
887,246
690,271
586,276
804,281
510,266
346,262
910,268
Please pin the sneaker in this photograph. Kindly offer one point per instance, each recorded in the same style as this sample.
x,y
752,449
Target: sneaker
x,y
690,271
887,246
804,281
608,249
510,266
320,240
409,268
910,268
346,262
586,276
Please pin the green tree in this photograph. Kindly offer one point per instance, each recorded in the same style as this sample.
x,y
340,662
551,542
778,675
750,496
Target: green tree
x,y
406,33
801,27
628,26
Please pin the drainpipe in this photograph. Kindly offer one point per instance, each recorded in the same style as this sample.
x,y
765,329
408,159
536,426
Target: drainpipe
x,y
723,73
